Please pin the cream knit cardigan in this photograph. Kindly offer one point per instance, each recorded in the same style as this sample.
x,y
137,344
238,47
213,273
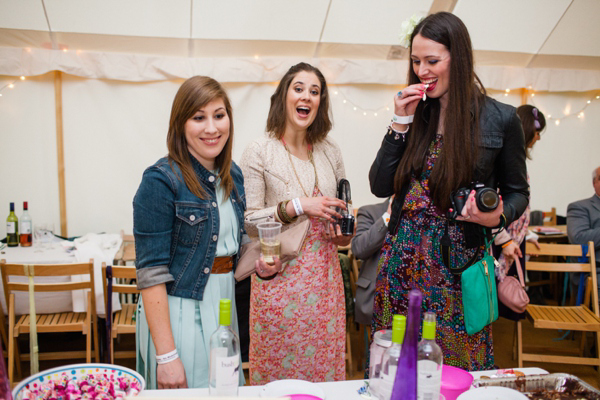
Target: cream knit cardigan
x,y
270,179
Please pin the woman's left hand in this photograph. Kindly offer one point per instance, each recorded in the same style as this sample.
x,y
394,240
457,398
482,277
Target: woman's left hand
x,y
511,251
266,270
335,234
471,213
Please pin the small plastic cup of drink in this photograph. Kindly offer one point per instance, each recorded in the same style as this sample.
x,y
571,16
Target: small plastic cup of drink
x,y
270,246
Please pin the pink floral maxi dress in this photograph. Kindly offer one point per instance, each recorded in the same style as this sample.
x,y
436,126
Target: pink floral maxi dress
x,y
298,319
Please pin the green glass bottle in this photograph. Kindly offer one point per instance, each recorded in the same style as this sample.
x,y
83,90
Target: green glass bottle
x,y
12,228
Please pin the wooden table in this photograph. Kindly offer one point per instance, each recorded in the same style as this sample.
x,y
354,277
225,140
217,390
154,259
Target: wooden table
x,y
551,238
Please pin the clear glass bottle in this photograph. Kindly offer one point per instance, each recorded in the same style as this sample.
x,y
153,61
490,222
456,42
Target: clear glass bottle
x,y
224,377
12,228
389,361
429,364
26,227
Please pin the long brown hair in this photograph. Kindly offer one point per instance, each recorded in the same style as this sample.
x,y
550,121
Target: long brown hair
x,y
322,124
458,158
195,93
528,121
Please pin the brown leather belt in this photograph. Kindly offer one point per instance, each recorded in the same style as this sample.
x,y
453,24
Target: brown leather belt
x,y
222,265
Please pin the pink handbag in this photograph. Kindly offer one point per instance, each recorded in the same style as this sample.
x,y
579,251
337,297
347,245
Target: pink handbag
x,y
511,292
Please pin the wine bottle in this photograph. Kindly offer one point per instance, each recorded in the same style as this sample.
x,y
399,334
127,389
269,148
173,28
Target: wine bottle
x,y
224,376
389,361
25,230
405,384
429,364
12,228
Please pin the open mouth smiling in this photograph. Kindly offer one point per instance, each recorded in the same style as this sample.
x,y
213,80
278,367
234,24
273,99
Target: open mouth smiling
x,y
303,111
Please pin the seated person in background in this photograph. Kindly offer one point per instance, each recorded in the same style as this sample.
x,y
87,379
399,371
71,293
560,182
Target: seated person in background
x,y
583,219
371,227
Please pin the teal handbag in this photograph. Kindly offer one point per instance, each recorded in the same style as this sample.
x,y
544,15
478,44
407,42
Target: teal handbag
x,y
479,296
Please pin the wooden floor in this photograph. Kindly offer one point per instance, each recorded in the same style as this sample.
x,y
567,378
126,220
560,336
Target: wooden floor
x,y
502,334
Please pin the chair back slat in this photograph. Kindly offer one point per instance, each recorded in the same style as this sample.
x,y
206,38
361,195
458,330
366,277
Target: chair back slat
x,y
48,287
49,269
556,267
124,272
554,249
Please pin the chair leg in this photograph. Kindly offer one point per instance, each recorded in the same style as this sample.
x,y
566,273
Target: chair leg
x,y
112,349
514,355
96,333
520,343
582,343
11,359
18,360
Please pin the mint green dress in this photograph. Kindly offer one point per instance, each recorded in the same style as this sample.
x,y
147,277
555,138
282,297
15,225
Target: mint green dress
x,y
193,321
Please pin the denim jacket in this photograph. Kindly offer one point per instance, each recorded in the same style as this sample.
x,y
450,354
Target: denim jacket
x,y
176,232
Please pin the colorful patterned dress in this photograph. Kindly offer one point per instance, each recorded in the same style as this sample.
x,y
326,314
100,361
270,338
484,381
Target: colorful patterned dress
x,y
298,320
412,259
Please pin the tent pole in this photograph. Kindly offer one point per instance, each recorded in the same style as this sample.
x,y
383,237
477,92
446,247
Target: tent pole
x,y
60,152
524,93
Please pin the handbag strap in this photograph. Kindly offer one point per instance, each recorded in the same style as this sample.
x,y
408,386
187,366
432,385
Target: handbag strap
x,y
519,272
445,245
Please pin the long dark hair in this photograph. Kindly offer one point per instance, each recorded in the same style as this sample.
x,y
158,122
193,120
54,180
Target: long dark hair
x,y
195,93
458,158
529,117
322,124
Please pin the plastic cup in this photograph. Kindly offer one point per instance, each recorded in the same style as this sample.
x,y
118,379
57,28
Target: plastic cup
x,y
270,246
455,381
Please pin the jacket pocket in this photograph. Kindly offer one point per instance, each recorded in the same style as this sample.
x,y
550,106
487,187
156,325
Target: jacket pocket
x,y
492,140
191,218
363,282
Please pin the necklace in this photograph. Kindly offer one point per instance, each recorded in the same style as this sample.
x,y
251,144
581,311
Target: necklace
x,y
310,158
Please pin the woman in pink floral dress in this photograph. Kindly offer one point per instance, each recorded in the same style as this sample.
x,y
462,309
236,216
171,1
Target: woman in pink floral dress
x,y
297,310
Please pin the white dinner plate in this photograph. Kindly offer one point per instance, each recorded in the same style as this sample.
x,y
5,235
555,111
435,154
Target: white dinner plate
x,y
492,393
291,386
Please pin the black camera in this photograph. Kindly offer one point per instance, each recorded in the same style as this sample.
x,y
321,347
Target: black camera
x,y
346,223
486,198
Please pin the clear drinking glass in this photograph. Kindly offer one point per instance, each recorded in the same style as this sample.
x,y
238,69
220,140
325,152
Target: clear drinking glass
x,y
270,246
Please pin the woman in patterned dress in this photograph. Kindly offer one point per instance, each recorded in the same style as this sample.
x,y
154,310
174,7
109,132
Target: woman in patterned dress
x,y
297,318
446,133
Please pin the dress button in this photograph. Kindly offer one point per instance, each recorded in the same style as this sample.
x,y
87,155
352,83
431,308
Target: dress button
x,y
206,270
211,178
192,217
215,238
233,200
214,204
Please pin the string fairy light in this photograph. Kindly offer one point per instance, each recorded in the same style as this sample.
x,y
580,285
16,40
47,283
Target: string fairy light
x,y
580,114
375,112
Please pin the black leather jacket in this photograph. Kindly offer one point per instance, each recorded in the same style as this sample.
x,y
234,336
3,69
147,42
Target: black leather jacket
x,y
501,163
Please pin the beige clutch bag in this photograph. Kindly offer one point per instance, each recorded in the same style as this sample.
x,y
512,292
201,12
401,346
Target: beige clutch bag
x,y
291,244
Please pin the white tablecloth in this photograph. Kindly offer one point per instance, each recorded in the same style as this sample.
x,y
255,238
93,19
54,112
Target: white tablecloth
x,y
62,252
342,390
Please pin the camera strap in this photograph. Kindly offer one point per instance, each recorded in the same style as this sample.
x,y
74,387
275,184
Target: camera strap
x,y
446,243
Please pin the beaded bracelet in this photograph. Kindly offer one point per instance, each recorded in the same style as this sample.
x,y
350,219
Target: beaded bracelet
x,y
506,244
284,216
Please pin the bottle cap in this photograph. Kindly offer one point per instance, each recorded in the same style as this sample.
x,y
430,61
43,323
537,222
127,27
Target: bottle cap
x,y
12,206
398,328
429,326
225,312
24,205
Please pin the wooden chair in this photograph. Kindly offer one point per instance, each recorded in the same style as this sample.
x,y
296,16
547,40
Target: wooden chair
x,y
550,217
84,322
575,318
126,252
123,321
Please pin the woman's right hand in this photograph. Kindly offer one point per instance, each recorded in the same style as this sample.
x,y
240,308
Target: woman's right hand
x,y
409,98
322,207
171,375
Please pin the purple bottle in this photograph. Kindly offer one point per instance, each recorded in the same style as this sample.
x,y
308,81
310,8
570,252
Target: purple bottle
x,y
405,384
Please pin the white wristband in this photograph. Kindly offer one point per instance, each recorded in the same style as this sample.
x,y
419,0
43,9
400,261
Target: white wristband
x,y
403,120
297,206
167,358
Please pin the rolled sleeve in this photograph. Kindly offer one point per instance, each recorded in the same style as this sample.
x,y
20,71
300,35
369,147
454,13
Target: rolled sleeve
x,y
152,276
153,218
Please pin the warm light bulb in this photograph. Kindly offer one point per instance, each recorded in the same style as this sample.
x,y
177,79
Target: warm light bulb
x,y
589,101
365,113
11,86
354,108
581,114
335,92
530,87
505,94
0,94
598,97
256,57
507,90
387,109
344,101
532,94
22,78
557,122
549,116
375,114
28,49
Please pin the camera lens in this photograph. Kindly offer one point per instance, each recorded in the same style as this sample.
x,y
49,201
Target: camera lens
x,y
487,199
